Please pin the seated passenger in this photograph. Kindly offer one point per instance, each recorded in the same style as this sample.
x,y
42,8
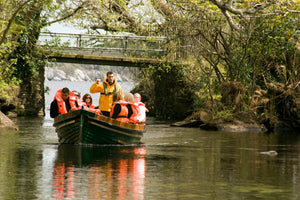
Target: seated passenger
x,y
124,110
119,110
141,116
88,101
78,98
132,108
64,101
88,105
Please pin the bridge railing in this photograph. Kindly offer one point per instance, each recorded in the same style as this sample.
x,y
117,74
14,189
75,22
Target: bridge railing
x,y
105,45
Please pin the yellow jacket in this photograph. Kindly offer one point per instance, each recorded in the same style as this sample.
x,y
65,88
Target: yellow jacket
x,y
106,90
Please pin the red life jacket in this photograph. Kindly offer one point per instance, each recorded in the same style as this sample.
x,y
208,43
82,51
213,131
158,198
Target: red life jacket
x,y
91,108
62,109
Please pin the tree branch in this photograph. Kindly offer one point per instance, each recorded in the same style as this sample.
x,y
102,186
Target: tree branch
x,y
5,31
67,16
164,9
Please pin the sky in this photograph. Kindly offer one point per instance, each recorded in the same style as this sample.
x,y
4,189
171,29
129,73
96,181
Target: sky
x,y
63,28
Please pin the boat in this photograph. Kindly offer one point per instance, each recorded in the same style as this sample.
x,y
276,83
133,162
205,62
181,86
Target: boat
x,y
85,127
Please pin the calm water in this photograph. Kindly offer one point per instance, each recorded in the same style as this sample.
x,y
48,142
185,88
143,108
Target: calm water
x,y
173,163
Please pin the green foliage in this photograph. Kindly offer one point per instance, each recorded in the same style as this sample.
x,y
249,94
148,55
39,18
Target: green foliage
x,y
7,80
270,45
226,115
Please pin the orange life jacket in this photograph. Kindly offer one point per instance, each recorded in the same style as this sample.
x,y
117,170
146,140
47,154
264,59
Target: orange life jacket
x,y
91,105
135,110
91,108
97,111
123,115
62,109
80,103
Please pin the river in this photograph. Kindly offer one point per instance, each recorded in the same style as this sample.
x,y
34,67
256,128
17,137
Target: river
x,y
172,163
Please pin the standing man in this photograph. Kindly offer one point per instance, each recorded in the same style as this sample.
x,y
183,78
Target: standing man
x,y
107,88
64,101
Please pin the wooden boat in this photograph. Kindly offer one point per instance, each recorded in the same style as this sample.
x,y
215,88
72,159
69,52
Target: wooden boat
x,y
85,127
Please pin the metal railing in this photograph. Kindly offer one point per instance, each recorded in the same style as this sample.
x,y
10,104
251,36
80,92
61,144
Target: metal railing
x,y
105,45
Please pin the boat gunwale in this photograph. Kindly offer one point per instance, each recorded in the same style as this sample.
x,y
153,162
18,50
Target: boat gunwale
x,y
100,118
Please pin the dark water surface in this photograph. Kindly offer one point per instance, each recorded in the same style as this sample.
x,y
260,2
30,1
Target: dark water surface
x,y
172,163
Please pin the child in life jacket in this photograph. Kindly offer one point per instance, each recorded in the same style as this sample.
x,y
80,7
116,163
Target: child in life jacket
x,y
141,116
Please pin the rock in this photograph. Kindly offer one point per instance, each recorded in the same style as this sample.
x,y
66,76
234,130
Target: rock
x,y
60,74
269,153
94,75
79,75
6,123
188,123
239,126
49,73
118,78
71,73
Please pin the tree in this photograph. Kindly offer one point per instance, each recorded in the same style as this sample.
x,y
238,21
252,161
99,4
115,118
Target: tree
x,y
247,42
21,60
251,42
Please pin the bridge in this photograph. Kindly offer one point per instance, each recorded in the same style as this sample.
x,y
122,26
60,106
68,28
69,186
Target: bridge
x,y
135,51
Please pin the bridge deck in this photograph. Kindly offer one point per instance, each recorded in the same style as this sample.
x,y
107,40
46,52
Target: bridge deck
x,y
105,60
136,51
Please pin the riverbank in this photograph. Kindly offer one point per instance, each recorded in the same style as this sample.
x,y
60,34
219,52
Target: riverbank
x,y
275,109
81,72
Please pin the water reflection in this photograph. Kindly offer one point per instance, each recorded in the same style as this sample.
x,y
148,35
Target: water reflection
x,y
109,172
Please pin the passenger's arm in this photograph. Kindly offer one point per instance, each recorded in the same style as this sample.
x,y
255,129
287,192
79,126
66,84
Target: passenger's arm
x,y
96,87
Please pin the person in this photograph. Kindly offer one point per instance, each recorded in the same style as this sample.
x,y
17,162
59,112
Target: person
x,y
64,101
141,116
107,88
78,98
117,107
129,97
88,101
124,110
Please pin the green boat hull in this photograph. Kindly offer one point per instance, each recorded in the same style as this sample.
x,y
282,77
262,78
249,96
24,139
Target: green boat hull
x,y
85,127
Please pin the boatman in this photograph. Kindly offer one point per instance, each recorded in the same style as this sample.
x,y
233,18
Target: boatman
x,y
64,101
107,88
